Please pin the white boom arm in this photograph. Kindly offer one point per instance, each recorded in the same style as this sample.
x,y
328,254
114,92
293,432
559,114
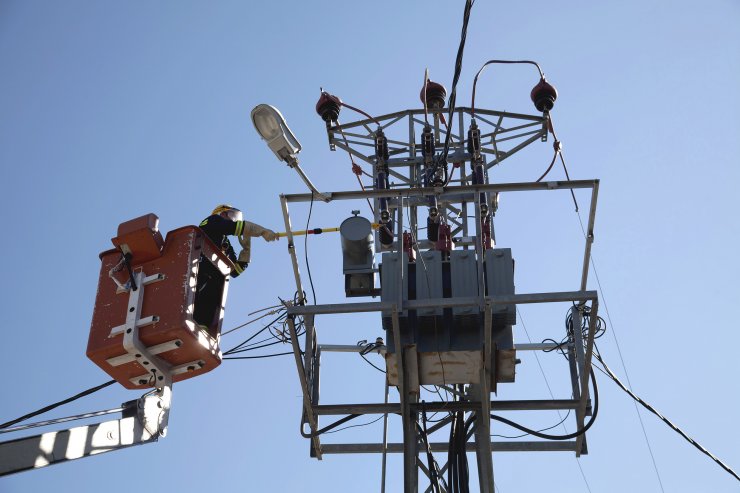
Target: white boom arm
x,y
143,421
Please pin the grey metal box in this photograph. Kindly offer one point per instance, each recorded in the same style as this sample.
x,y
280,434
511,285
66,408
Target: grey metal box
x,y
499,267
429,281
464,279
390,270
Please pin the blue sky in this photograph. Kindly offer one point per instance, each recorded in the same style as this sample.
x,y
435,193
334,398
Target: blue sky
x,y
109,110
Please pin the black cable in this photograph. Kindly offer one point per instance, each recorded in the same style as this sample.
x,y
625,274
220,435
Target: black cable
x,y
543,429
223,333
371,364
330,427
264,328
354,426
552,163
462,451
252,348
258,357
262,341
558,437
458,476
489,62
664,419
451,459
369,348
455,79
305,248
569,338
567,176
57,404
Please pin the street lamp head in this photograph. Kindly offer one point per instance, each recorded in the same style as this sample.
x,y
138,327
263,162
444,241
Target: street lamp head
x,y
271,126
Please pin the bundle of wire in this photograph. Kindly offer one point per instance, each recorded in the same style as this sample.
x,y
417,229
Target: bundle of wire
x,y
458,474
279,333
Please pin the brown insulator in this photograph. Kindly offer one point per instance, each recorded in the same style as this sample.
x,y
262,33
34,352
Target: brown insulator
x,y
436,95
328,107
544,95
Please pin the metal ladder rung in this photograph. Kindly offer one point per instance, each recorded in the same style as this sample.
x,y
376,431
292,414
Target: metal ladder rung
x,y
157,349
142,322
184,368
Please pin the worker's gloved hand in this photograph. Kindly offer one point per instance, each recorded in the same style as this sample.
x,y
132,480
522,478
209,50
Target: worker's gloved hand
x,y
269,235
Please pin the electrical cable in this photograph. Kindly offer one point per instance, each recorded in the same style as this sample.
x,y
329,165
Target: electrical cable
x,y
360,112
543,429
244,343
424,99
458,474
331,426
552,163
262,341
353,426
259,357
371,364
252,348
276,334
273,312
305,248
559,152
281,305
558,437
650,408
455,79
503,62
369,348
57,404
66,419
592,263
243,347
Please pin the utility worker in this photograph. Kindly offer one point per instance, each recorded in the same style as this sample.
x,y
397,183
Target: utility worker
x,y
223,222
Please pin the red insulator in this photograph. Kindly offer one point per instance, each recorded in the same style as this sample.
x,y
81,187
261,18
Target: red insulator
x,y
328,107
436,95
544,95
408,246
444,241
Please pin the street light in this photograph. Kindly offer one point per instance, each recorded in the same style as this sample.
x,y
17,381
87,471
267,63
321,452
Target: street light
x,y
270,124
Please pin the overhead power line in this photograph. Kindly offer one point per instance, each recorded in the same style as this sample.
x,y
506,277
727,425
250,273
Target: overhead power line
x,y
57,404
673,426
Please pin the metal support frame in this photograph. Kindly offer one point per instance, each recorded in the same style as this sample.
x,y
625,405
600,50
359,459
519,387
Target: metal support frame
x,y
397,448
159,372
502,135
506,134
482,392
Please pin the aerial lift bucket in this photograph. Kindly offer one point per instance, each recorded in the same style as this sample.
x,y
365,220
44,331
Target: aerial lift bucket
x,y
142,325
